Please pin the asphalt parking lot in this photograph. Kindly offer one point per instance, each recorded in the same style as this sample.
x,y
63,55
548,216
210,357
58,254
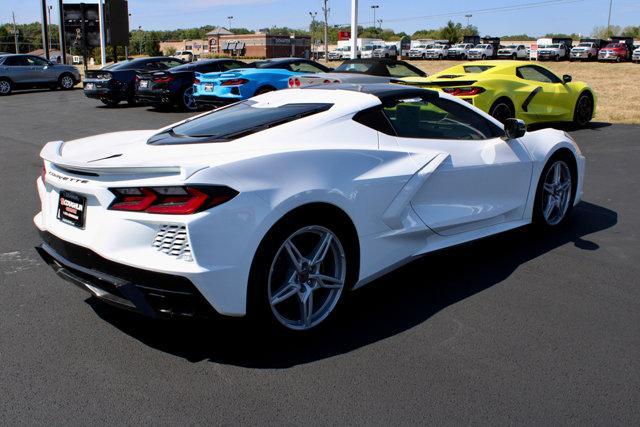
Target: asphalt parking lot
x,y
524,327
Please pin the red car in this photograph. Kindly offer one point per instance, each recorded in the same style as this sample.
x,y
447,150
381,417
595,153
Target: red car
x,y
614,52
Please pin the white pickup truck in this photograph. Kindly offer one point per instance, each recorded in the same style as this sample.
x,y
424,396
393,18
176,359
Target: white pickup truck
x,y
556,52
438,51
584,50
636,55
343,52
513,51
481,51
419,51
385,51
460,50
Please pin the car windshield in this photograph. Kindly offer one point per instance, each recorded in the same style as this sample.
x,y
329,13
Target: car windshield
x,y
613,45
235,121
481,46
511,46
353,67
367,48
476,69
459,46
584,45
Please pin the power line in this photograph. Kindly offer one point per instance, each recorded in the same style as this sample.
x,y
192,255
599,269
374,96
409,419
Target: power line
x,y
497,9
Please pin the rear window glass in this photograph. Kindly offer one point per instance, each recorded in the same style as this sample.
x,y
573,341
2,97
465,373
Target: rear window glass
x,y
235,121
475,69
353,67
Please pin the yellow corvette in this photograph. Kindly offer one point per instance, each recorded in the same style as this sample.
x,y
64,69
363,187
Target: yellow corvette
x,y
519,89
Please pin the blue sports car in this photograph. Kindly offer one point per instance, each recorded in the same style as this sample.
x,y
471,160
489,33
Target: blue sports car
x,y
257,78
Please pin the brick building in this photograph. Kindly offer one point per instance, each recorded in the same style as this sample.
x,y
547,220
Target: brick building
x,y
198,47
261,45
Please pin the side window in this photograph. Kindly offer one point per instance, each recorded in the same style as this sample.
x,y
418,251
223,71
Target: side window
x,y
438,119
36,62
401,70
16,61
152,66
170,63
304,67
375,119
537,74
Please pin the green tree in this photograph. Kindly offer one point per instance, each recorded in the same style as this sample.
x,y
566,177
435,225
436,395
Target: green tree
x,y
606,32
152,44
470,30
452,32
169,51
631,31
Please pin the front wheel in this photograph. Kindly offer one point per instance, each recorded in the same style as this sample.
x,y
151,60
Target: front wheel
x,y
554,197
484,56
66,82
5,87
300,273
583,112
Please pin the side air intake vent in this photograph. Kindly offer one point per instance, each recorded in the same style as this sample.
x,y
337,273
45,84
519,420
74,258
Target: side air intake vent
x,y
173,241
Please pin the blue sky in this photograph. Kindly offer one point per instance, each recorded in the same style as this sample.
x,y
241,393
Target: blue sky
x,y
567,16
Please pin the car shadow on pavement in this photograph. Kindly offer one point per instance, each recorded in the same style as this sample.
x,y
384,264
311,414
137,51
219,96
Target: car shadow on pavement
x,y
391,305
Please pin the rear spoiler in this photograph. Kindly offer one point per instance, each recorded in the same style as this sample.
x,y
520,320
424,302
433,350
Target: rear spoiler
x,y
52,152
450,83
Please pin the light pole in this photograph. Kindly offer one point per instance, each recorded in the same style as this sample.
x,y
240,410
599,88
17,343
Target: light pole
x,y
49,26
374,7
354,29
141,39
380,23
468,18
325,11
126,48
313,27
229,18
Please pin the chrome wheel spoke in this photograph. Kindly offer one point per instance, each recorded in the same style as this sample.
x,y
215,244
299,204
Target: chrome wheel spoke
x,y
286,292
556,173
306,307
549,188
326,282
296,257
551,203
321,251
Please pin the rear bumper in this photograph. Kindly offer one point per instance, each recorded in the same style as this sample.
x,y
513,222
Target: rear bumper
x,y
156,97
149,293
214,100
103,93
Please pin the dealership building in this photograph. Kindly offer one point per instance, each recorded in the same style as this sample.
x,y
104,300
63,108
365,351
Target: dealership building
x,y
260,44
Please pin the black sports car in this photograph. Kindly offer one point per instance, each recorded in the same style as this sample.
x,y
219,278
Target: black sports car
x,y
116,82
174,87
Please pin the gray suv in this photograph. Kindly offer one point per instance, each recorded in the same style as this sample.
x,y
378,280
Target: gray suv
x,y
28,71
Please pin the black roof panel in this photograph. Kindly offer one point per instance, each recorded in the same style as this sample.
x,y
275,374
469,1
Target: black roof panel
x,y
383,91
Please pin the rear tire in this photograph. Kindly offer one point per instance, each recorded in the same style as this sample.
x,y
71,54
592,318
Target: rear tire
x,y
278,290
583,111
502,110
66,82
556,192
5,87
187,101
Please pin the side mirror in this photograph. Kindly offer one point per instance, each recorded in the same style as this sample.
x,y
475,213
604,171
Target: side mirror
x,y
514,128
566,78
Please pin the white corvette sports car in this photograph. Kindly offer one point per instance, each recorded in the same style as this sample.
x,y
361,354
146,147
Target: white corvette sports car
x,y
277,205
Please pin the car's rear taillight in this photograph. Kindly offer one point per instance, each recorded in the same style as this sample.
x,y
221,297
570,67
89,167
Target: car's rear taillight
x,y
291,84
234,82
196,81
463,91
163,79
43,172
170,200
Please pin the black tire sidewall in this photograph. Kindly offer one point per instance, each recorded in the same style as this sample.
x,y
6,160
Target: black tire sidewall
x,y
501,102
538,215
575,110
258,307
60,81
10,87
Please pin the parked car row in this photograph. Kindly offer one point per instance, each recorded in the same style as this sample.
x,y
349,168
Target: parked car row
x,y
19,71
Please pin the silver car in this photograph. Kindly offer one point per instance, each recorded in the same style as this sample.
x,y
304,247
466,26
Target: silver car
x,y
28,71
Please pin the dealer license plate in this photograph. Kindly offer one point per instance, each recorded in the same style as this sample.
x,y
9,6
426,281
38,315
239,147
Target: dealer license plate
x,y
90,86
208,87
144,83
72,208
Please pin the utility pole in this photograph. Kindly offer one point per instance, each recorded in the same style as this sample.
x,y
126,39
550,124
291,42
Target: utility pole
x,y
325,10
229,18
63,47
609,20
103,37
354,29
15,32
45,26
